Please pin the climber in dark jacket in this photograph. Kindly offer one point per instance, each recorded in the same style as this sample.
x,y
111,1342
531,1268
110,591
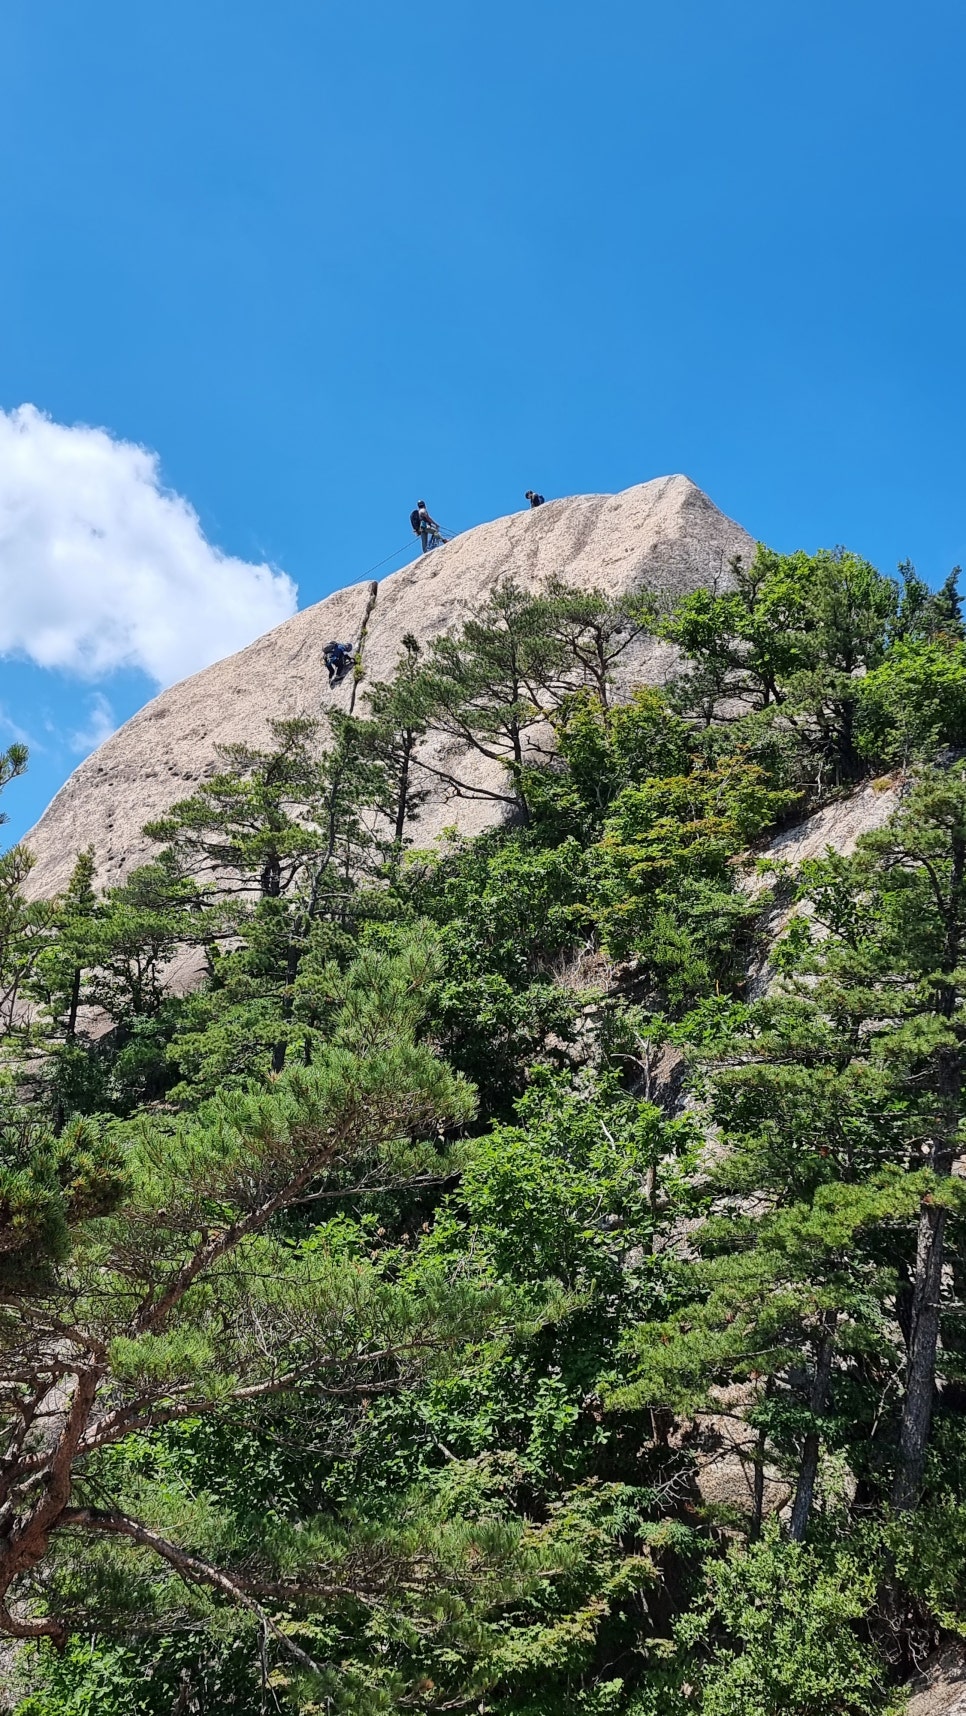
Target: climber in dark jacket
x,y
534,499
424,527
338,660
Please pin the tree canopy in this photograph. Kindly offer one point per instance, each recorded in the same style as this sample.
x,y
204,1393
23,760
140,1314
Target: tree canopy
x,y
522,1275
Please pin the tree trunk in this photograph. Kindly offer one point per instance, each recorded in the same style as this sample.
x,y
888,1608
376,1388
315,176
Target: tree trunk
x,y
849,760
402,795
758,1494
661,1422
71,1031
288,1005
808,1470
921,1366
516,771
270,880
600,671
923,1344
805,1491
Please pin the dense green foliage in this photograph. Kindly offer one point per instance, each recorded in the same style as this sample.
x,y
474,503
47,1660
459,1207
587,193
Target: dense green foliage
x,y
381,1328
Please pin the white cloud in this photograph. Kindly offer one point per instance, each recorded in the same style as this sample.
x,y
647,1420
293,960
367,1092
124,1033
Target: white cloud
x,y
100,726
101,567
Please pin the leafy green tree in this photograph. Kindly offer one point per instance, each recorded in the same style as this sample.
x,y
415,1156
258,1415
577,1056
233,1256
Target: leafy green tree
x,y
665,871
216,1672
555,1207
792,637
578,1182
784,1624
508,913
913,703
600,750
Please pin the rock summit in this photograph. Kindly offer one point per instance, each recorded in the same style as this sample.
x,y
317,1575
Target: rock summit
x,y
665,534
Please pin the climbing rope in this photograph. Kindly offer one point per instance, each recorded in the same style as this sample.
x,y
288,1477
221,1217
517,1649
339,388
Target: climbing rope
x,y
447,536
382,562
396,551
357,668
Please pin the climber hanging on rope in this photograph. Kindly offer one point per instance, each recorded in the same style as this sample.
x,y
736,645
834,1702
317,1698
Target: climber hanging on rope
x,y
338,660
426,528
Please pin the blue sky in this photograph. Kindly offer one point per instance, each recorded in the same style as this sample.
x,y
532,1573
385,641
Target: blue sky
x,y
324,258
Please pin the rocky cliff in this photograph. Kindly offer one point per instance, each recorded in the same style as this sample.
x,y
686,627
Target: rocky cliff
x,y
664,534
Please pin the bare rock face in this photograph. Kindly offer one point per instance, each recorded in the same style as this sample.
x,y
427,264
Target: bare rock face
x,y
663,534
837,827
941,1688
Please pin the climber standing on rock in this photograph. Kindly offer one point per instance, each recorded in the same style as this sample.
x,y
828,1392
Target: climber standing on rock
x,y
425,527
534,499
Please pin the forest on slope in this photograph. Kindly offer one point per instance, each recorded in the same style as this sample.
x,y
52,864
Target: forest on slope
x,y
370,1314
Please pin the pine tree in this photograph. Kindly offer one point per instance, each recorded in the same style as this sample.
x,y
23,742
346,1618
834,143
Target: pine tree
x,y
13,762
792,1304
910,972
253,826
287,833
929,615
491,684
595,631
837,1102
25,929
62,965
193,1299
398,723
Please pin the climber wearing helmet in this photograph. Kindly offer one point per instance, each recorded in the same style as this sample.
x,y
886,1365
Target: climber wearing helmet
x,y
425,527
338,660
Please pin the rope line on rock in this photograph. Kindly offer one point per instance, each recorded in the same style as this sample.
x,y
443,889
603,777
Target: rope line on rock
x,y
382,562
400,550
